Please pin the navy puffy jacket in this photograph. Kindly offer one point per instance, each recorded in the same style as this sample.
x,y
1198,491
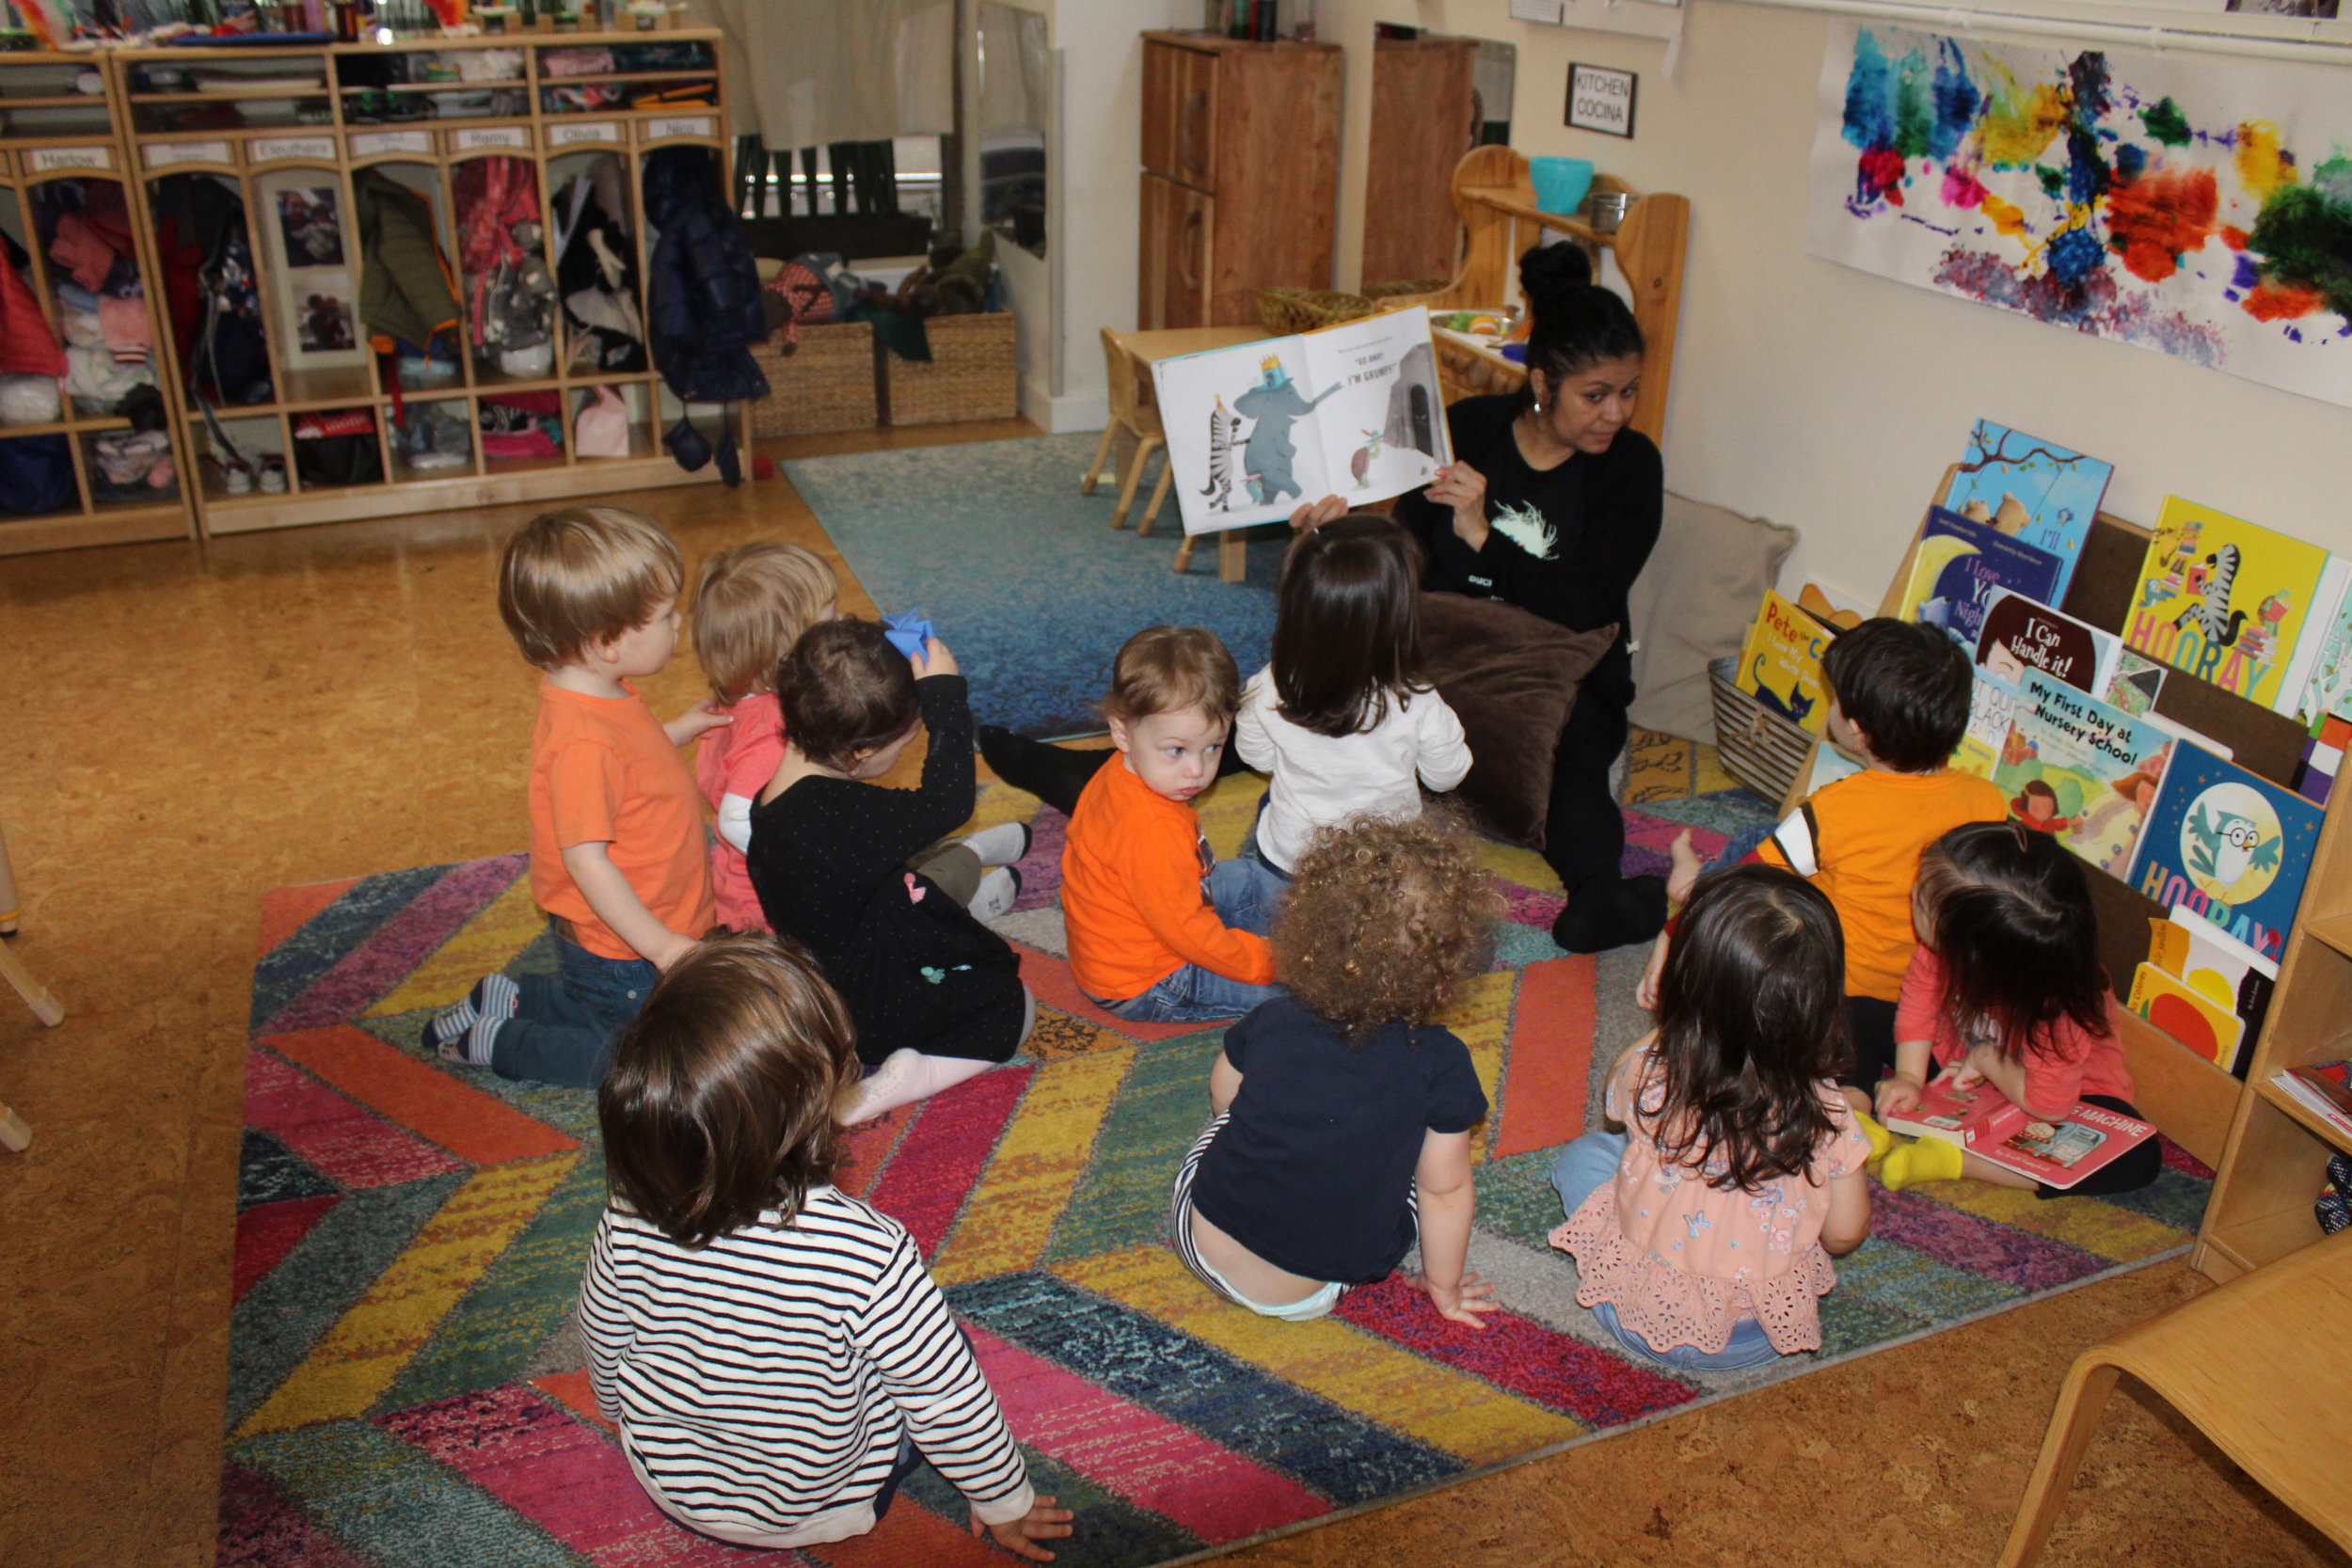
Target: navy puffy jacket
x,y
703,310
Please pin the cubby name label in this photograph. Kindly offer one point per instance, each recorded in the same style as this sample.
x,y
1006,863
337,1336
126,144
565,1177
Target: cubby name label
x,y
46,158
263,150
564,136
377,142
507,136
698,126
164,154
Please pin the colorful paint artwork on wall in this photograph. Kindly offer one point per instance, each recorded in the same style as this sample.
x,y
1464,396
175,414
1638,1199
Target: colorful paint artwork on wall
x,y
2196,206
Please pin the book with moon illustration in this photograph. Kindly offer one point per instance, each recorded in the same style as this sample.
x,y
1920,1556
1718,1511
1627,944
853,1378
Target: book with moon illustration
x,y
2225,600
2030,489
1256,430
1958,564
2229,847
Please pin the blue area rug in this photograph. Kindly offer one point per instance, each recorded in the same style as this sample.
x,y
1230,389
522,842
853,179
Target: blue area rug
x,y
1023,575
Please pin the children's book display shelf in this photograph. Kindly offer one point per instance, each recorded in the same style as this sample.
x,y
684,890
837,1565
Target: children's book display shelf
x,y
310,119
60,122
2268,1153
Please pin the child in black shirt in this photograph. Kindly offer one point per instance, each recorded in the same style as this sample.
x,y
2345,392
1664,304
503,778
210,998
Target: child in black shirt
x,y
1343,1114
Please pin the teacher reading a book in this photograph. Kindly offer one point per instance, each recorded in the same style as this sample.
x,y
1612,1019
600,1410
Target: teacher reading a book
x,y
1552,504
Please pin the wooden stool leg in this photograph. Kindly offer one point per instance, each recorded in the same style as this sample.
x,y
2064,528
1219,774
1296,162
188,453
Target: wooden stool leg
x,y
14,1135
45,1008
1135,476
2081,1399
1232,556
1184,553
1159,495
1094,470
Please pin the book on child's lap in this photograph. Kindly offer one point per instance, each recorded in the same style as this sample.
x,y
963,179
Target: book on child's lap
x,y
1983,1121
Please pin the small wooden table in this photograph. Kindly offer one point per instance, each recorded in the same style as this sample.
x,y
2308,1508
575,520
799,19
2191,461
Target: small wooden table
x,y
1143,350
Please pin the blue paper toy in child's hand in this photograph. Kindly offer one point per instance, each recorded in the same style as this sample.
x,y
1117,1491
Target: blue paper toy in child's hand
x,y
908,631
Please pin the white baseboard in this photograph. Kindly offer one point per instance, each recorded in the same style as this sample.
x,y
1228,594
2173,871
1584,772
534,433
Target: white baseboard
x,y
1059,416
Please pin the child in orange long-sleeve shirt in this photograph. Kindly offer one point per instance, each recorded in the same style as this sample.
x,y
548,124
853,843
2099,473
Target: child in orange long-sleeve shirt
x,y
1160,931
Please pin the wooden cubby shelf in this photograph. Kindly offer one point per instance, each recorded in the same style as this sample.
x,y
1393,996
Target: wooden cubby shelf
x,y
262,121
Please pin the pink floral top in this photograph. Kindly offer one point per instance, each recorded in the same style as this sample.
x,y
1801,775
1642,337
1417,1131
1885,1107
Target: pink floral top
x,y
1684,1263
738,759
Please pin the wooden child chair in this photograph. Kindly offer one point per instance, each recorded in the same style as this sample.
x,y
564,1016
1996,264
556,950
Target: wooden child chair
x,y
1132,410
14,1134
2261,1366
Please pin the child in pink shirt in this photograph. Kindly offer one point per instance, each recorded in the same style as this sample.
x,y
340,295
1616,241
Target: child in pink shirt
x,y
753,602
1703,1232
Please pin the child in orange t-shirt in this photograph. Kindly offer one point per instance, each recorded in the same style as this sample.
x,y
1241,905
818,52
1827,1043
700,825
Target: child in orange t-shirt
x,y
1160,931
617,856
1898,699
752,605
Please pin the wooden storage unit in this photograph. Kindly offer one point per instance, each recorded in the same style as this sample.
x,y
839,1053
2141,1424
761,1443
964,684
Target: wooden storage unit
x,y
973,373
827,383
2268,1154
311,120
1241,168
52,131
1424,119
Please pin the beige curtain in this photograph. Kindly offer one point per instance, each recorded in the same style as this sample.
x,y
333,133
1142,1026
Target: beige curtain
x,y
810,71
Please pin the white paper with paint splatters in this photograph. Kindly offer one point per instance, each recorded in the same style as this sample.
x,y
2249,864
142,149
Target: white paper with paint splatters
x,y
1256,431
2195,206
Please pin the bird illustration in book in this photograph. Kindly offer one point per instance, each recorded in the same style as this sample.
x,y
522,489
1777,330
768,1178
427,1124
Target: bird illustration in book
x,y
1366,455
1223,426
2232,854
1275,402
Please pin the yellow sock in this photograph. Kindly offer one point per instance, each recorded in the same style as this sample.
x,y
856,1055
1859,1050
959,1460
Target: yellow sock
x,y
1881,1139
1921,1160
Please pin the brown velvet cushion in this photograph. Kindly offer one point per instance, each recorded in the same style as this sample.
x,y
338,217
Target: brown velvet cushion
x,y
1512,677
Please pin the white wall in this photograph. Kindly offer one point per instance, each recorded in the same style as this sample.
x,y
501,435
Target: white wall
x,y
1814,394
1087,280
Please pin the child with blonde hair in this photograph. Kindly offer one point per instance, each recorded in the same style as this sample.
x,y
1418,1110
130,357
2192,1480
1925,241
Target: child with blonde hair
x,y
1703,1231
753,602
1341,1112
772,1349
617,849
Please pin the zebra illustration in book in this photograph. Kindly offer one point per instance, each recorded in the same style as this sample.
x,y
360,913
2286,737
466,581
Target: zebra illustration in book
x,y
2217,623
1223,426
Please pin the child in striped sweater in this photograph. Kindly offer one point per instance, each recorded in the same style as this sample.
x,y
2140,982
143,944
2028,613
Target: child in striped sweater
x,y
772,1349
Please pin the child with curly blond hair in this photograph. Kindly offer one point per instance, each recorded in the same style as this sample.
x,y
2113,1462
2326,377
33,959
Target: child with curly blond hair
x,y
1341,1112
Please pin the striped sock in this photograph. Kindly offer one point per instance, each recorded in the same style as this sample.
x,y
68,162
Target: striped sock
x,y
465,1032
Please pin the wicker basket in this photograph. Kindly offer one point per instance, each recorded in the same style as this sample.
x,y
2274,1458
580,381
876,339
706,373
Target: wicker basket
x,y
1288,310
1404,286
1759,748
827,384
973,373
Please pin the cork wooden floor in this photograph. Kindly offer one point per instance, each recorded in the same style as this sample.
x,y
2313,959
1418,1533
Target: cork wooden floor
x,y
187,726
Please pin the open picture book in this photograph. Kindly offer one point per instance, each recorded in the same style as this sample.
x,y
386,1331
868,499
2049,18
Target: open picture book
x,y
1983,1121
1258,429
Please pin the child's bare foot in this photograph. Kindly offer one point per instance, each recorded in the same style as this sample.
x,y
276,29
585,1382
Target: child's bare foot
x,y
1687,866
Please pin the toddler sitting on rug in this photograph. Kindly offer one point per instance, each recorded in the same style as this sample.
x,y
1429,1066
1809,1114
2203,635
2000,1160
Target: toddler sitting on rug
x,y
772,1349
1343,1114
752,604
857,872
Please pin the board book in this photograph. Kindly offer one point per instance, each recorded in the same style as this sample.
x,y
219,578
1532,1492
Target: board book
x,y
1780,665
2227,846
2178,1008
1984,1122
1353,410
2031,489
2218,968
1956,568
2081,771
2224,600
2324,1089
2326,690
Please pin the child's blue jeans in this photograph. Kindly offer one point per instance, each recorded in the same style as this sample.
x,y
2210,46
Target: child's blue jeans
x,y
1245,895
563,1030
1580,1169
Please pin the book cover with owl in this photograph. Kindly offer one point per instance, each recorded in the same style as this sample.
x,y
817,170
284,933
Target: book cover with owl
x,y
2224,600
2227,846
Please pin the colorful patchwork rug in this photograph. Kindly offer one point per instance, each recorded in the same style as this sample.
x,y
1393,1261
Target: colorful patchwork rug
x,y
405,1388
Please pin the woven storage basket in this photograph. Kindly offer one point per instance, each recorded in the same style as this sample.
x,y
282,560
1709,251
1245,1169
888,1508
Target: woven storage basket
x,y
1759,748
1288,310
827,384
1403,286
973,373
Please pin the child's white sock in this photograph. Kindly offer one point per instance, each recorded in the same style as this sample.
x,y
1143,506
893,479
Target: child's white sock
x,y
993,899
905,1077
1002,845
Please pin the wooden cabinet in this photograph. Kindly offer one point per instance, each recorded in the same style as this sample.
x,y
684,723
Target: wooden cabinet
x,y
1240,175
1425,118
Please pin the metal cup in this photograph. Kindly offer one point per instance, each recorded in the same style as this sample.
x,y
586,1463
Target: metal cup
x,y
1605,210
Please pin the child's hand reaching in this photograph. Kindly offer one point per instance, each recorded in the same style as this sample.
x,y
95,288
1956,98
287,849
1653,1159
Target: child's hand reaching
x,y
1896,1095
1044,1522
934,661
1461,1304
704,715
